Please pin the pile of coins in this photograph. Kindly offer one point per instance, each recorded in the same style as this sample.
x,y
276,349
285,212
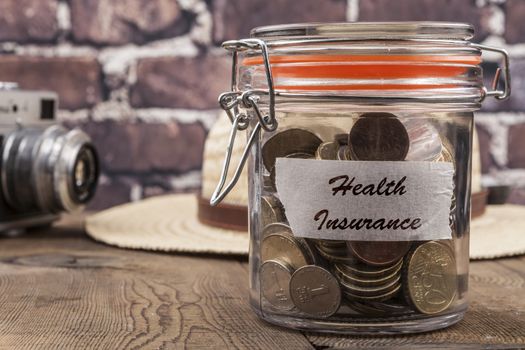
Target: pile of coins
x,y
369,278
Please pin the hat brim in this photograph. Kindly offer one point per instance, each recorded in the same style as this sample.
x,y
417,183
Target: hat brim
x,y
164,223
169,223
498,232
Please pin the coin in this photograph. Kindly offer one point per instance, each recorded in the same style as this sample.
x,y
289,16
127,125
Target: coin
x,y
331,243
315,291
381,297
275,279
276,227
378,308
379,253
282,246
343,153
370,291
271,210
378,136
289,142
367,282
431,277
367,271
282,228
327,150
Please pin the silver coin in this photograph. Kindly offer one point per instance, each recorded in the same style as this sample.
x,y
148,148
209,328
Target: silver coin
x,y
315,291
276,227
366,282
327,151
382,297
289,142
284,247
271,210
344,153
284,229
275,279
366,271
370,291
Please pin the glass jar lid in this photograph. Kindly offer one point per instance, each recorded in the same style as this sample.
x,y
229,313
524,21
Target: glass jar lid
x,y
367,31
367,59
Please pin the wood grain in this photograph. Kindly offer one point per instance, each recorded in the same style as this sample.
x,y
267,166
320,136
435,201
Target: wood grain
x,y
59,290
494,320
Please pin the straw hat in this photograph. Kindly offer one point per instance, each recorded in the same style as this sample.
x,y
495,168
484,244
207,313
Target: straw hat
x,y
187,223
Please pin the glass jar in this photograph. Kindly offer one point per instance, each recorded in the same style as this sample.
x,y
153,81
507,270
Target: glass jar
x,y
359,150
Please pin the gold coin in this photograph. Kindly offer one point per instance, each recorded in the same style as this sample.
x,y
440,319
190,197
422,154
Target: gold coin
x,y
285,247
431,277
327,151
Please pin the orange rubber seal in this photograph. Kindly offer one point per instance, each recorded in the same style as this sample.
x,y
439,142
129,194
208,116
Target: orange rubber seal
x,y
366,67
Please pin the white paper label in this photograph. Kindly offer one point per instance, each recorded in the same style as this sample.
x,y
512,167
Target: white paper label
x,y
357,200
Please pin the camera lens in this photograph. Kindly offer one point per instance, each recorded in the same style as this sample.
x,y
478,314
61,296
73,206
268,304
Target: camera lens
x,y
85,174
49,170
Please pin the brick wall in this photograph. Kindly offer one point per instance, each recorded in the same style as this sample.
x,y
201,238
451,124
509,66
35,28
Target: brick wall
x,y
142,76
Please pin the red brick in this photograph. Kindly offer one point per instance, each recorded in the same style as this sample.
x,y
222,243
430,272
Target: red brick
x,y
514,28
138,147
516,145
112,22
77,80
28,20
428,10
233,19
181,82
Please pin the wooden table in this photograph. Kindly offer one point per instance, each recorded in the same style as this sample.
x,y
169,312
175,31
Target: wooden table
x,y
61,290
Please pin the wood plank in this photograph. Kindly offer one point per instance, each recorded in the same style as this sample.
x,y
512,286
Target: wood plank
x,y
495,319
60,290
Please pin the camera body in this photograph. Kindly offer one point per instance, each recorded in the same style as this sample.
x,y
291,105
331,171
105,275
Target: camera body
x,y
44,168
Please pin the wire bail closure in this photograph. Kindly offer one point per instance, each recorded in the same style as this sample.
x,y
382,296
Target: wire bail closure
x,y
495,92
249,99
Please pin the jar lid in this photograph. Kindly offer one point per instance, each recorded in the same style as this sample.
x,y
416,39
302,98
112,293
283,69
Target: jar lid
x,y
368,30
368,59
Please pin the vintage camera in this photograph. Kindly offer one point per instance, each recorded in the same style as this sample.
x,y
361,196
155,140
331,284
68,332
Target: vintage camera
x,y
45,169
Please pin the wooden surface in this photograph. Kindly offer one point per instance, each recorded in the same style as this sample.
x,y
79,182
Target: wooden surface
x,y
61,290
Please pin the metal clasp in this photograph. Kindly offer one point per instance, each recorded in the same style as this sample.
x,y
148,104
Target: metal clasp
x,y
232,100
498,94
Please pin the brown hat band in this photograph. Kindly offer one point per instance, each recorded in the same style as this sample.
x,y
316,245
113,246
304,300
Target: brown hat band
x,y
225,216
478,203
